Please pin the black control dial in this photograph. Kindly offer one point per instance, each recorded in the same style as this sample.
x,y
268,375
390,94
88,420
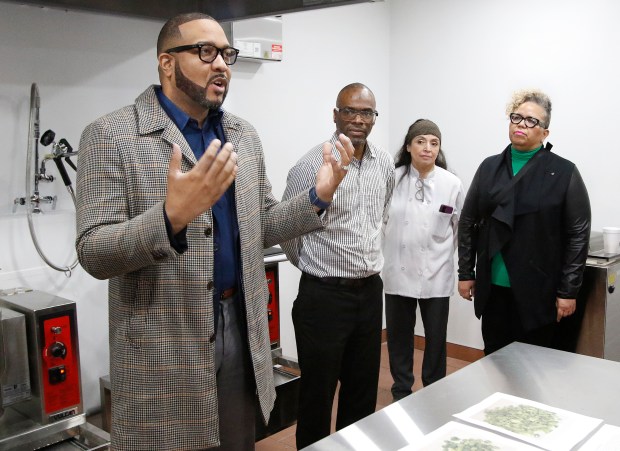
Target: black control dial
x,y
58,349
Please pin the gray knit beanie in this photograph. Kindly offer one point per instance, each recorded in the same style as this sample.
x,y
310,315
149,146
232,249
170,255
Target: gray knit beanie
x,y
424,127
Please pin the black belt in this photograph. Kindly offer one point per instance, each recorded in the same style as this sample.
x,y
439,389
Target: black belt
x,y
228,293
342,281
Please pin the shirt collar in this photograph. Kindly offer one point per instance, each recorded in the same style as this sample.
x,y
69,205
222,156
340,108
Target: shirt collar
x,y
415,173
523,155
180,117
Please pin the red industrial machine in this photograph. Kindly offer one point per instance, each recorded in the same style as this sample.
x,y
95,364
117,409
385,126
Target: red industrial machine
x,y
273,306
284,412
40,374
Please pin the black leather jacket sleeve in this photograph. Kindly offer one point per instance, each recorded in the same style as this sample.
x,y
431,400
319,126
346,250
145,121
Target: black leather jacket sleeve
x,y
468,231
577,222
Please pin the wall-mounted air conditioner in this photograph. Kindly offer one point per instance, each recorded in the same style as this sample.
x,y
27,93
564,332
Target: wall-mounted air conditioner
x,y
257,39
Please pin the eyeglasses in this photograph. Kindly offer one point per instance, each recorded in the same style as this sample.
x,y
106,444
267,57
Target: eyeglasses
x,y
419,194
208,52
530,122
349,114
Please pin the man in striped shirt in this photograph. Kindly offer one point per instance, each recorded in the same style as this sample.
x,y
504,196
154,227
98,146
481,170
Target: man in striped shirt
x,y
338,311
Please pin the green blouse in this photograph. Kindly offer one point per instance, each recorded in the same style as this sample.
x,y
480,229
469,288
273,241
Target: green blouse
x,y
499,273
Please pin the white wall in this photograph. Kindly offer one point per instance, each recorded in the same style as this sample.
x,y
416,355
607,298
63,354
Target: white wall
x,y
85,65
291,103
459,62
454,62
89,64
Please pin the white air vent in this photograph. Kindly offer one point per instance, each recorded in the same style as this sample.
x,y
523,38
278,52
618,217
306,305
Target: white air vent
x,y
258,39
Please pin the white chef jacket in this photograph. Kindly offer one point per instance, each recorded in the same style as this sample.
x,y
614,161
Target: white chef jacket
x,y
420,240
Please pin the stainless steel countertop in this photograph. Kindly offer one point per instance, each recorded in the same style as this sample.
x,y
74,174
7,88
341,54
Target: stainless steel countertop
x,y
582,384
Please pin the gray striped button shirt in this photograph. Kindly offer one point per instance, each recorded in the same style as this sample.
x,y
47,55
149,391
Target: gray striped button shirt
x,y
350,243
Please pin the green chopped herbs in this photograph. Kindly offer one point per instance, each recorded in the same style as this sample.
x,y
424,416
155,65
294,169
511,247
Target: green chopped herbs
x,y
523,419
468,444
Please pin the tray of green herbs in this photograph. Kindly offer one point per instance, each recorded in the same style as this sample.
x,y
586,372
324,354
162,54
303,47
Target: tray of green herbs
x,y
523,419
468,444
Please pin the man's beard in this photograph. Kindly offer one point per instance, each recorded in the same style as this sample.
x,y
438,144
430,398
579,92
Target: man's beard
x,y
196,92
358,142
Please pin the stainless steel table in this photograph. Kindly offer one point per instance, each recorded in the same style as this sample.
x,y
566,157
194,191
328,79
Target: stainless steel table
x,y
582,384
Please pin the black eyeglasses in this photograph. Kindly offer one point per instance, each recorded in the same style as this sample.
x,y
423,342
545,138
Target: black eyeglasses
x,y
419,194
349,114
530,122
208,52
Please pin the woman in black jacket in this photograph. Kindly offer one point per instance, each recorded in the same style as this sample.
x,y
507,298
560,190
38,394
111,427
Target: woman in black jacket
x,y
523,233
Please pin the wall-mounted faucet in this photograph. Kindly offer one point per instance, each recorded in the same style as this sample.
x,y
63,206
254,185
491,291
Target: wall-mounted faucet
x,y
36,172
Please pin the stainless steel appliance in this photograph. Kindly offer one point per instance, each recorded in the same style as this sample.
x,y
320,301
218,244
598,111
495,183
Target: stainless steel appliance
x,y
599,334
40,378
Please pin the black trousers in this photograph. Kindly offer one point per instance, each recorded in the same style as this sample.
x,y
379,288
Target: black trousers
x,y
400,316
338,335
501,323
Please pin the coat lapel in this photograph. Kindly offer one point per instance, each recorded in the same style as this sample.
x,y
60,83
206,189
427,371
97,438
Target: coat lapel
x,y
521,196
232,131
152,119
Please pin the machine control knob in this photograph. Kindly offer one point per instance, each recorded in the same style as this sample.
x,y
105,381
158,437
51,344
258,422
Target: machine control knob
x,y
58,349
56,330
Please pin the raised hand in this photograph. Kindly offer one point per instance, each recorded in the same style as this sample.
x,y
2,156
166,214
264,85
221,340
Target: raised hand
x,y
332,171
194,192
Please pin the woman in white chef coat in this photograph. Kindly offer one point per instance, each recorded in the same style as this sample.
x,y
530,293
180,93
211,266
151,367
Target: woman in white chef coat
x,y
419,245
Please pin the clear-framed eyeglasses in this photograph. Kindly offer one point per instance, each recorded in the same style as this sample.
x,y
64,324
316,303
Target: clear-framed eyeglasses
x,y
208,52
349,114
530,122
419,193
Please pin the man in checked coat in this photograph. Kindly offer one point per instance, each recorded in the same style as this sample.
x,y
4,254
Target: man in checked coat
x,y
178,222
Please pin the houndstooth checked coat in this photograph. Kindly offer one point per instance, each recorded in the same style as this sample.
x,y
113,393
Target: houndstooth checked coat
x,y
160,302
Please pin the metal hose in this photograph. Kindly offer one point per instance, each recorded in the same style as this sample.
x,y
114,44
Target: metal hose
x,y
32,182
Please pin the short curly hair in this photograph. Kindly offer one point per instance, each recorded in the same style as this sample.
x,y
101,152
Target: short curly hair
x,y
531,95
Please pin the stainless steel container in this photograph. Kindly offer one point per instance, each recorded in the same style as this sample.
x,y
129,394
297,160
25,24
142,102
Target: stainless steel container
x,y
594,330
599,335
14,377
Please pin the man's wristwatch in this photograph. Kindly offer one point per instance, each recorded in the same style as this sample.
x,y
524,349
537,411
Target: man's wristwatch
x,y
314,200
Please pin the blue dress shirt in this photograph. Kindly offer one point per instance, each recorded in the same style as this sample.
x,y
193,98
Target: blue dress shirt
x,y
226,257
